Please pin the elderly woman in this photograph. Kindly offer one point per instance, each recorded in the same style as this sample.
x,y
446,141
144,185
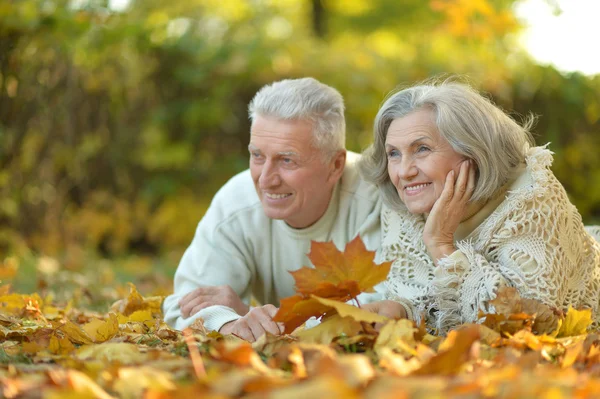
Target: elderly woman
x,y
472,206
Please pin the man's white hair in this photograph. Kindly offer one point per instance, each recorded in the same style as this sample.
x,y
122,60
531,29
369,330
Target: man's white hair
x,y
305,99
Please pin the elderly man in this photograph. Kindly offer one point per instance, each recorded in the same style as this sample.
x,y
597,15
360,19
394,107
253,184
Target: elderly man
x,y
302,186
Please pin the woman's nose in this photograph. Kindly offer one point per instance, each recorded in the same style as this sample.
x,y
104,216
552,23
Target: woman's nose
x,y
407,169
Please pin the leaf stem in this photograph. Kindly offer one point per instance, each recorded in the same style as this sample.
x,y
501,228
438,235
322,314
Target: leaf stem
x,y
199,369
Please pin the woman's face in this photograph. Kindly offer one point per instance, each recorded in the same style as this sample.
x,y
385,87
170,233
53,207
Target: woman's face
x,y
419,159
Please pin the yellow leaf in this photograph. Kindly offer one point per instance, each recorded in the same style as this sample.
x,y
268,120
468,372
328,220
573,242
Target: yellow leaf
x,y
331,328
102,330
142,316
135,301
32,348
396,335
133,382
119,351
73,332
576,322
14,304
60,346
356,313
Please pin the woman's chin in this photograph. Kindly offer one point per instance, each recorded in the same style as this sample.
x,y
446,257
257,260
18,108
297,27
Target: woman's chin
x,y
418,209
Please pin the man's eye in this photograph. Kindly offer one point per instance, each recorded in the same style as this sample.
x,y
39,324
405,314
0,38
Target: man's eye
x,y
287,161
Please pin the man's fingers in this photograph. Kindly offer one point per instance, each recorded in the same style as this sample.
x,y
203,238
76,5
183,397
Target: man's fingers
x,y
271,310
260,321
188,307
243,331
200,291
256,328
281,327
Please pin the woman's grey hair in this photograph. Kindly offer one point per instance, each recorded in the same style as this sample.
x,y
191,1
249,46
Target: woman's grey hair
x,y
471,123
305,99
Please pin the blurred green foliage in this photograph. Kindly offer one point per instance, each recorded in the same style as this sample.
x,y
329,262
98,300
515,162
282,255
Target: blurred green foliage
x,y
117,127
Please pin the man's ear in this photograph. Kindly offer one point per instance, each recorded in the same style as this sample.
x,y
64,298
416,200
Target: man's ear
x,y
337,164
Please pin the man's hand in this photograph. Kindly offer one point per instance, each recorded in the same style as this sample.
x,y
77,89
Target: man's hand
x,y
204,297
254,324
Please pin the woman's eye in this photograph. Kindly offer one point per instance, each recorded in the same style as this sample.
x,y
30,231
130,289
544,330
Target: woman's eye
x,y
422,148
393,153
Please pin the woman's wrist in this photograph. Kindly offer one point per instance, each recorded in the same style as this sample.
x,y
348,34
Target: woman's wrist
x,y
438,252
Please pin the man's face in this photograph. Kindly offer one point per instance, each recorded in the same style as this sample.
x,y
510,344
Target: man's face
x,y
291,179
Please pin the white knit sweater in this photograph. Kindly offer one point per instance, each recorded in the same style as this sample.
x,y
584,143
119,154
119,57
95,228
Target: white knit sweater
x,y
530,237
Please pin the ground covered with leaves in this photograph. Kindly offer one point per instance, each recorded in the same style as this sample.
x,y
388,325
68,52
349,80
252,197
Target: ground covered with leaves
x,y
56,347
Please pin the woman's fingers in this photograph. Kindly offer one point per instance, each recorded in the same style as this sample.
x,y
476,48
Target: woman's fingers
x,y
461,182
471,181
448,191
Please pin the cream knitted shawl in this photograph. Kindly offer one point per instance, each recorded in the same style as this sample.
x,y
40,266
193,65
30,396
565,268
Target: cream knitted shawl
x,y
533,240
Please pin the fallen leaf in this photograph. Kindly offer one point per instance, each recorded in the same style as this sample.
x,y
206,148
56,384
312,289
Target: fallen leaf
x,y
135,301
576,322
102,330
108,352
60,345
133,382
73,331
329,329
295,310
453,353
397,335
346,310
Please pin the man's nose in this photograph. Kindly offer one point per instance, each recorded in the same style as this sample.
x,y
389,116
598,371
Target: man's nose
x,y
269,176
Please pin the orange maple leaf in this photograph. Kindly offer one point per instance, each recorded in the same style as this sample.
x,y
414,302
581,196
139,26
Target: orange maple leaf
x,y
356,263
337,275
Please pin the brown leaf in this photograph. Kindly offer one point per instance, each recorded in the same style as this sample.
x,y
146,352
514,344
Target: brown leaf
x,y
295,310
546,318
507,301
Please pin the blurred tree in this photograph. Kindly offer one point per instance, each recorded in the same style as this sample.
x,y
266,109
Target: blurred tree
x,y
117,127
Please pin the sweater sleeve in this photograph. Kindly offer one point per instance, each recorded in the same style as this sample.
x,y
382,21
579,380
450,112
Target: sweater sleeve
x,y
215,257
540,248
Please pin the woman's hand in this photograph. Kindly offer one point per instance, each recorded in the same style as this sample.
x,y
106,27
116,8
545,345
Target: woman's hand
x,y
448,211
387,308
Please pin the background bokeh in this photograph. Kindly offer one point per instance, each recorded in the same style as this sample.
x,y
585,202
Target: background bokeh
x,y
117,126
